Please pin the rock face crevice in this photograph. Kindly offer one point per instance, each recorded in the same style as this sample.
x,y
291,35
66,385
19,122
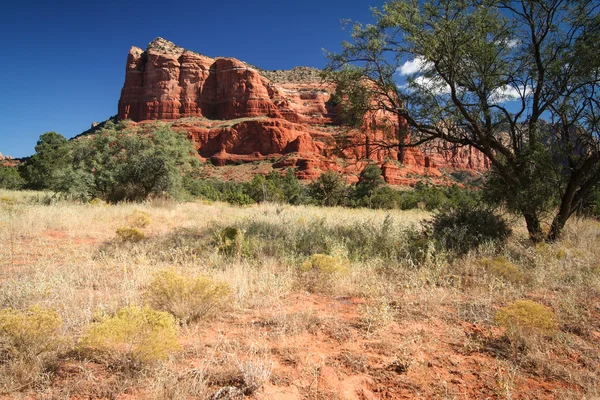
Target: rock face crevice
x,y
236,113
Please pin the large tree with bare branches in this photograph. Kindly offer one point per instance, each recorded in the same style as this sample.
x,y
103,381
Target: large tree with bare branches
x,y
516,80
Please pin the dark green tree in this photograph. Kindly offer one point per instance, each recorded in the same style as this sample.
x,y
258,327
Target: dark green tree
x,y
467,58
51,155
122,162
10,178
330,189
369,181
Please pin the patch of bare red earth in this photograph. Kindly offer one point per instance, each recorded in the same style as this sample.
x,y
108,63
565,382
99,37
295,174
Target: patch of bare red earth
x,y
334,357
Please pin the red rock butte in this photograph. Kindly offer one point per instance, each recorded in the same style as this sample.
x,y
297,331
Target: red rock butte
x,y
237,113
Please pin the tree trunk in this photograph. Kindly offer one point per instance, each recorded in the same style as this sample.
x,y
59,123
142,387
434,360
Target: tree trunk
x,y
402,137
564,212
533,227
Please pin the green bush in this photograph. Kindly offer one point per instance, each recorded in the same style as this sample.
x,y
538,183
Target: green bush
x,y
127,234
30,346
319,272
386,198
230,241
463,228
526,315
139,219
329,190
502,268
134,336
10,178
187,298
32,333
237,197
261,189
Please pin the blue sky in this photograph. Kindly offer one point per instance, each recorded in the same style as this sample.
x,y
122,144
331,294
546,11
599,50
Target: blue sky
x,y
63,62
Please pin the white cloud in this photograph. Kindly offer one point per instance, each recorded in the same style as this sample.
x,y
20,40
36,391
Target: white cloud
x,y
509,93
512,43
412,66
436,86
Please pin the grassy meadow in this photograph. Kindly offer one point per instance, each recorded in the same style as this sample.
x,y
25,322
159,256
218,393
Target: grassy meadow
x,y
166,300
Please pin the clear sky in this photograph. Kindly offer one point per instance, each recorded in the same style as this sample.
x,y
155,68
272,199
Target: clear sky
x,y
62,63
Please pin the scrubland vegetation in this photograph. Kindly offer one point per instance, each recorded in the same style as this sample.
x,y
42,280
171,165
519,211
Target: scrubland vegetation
x,y
210,300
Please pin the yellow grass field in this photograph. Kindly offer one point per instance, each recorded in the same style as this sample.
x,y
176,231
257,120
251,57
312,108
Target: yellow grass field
x,y
199,300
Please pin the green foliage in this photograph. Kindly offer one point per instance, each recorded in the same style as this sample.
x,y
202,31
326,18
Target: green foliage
x,y
31,333
52,155
134,336
463,228
139,219
127,234
122,162
319,272
503,269
30,346
188,299
469,58
10,178
360,241
369,181
387,198
230,241
261,189
329,189
527,315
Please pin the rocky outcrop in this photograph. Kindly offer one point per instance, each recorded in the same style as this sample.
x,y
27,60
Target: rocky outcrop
x,y
8,161
236,113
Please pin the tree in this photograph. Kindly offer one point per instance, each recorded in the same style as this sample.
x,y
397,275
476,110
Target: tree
x,y
51,154
121,162
370,179
10,178
329,189
516,80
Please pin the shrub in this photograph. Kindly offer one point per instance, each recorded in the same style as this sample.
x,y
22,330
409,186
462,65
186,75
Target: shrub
x,y
126,234
186,298
30,333
30,343
261,189
461,229
97,202
319,271
134,336
503,269
10,178
386,198
527,315
230,241
139,219
329,189
237,197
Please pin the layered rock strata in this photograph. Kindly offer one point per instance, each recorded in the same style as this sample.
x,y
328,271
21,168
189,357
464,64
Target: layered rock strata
x,y
236,113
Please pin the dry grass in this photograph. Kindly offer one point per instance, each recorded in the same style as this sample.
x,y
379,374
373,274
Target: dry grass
x,y
395,300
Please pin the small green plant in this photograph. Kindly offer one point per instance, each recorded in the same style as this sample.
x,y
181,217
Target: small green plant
x,y
127,234
502,268
526,316
30,343
463,228
230,241
187,298
97,202
139,219
134,336
319,272
33,332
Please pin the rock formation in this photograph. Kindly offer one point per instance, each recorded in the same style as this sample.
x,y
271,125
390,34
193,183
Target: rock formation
x,y
237,113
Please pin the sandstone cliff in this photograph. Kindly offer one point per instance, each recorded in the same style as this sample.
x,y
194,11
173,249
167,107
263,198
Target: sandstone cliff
x,y
237,113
